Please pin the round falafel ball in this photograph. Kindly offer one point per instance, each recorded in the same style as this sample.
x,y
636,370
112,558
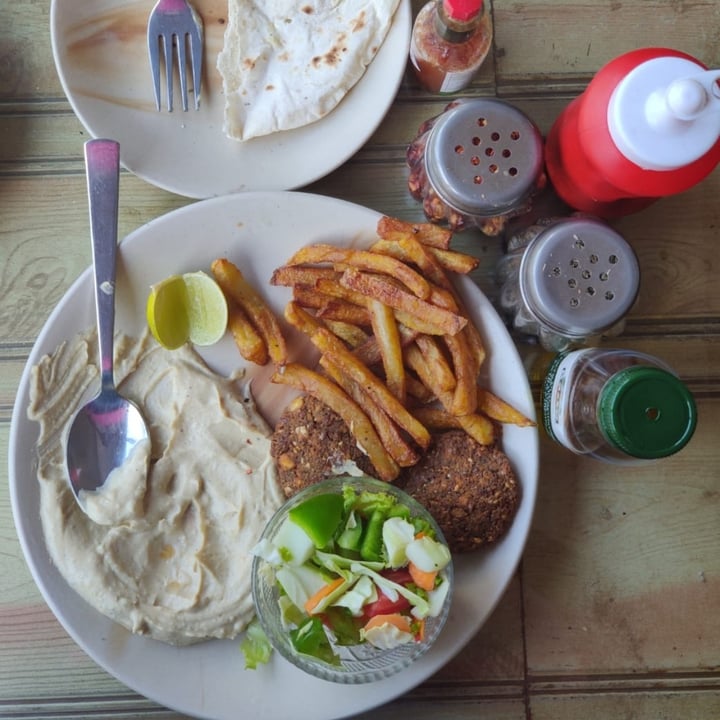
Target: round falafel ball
x,y
470,489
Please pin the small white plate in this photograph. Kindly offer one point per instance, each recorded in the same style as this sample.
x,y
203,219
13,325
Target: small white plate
x,y
258,232
100,51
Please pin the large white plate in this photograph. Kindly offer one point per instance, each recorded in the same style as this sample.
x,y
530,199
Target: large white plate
x,y
258,231
100,51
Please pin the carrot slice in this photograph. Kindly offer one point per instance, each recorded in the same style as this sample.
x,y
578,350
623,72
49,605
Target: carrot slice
x,y
401,622
423,579
312,602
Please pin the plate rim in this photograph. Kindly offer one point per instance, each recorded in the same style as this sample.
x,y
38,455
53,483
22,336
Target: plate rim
x,y
437,656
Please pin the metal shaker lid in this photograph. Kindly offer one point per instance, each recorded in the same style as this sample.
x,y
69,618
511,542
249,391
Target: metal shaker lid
x,y
483,157
579,277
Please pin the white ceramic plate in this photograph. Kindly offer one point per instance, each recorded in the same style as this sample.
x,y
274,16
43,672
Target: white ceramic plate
x,y
257,231
100,51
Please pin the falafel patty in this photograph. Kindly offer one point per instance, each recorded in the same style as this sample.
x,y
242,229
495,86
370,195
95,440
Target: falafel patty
x,y
470,489
310,442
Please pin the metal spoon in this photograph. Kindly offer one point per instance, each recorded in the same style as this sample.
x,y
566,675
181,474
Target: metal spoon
x,y
104,432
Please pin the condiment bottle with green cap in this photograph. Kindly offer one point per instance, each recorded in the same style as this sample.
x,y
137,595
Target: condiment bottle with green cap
x,y
618,406
450,41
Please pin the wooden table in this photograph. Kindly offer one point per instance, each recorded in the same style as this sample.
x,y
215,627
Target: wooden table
x,y
615,610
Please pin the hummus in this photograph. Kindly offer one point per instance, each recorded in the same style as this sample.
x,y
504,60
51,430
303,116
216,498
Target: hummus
x,y
170,557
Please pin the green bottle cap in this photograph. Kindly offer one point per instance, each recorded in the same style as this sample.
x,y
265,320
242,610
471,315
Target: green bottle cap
x,y
646,412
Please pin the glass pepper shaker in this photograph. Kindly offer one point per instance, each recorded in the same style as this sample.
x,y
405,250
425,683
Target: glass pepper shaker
x,y
568,281
477,164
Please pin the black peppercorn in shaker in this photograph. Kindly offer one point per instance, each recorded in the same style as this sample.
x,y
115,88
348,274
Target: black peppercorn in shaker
x,y
477,164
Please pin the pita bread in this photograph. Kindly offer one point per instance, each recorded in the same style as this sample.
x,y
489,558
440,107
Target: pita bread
x,y
286,63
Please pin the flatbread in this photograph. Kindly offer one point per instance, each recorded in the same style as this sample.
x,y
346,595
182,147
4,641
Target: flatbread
x,y
286,63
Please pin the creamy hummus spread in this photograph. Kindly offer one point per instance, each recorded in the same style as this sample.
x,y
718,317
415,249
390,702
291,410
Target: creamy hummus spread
x,y
170,557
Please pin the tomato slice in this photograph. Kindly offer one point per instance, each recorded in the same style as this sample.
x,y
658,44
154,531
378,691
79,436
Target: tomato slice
x,y
385,606
401,576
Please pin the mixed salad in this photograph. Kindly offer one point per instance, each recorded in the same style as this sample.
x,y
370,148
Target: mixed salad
x,y
354,568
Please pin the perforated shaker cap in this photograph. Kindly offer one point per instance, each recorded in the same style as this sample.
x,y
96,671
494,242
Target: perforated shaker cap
x,y
579,277
483,157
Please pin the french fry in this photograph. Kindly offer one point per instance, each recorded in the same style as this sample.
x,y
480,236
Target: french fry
x,y
334,302
390,228
353,335
388,339
434,358
251,345
235,286
308,297
444,321
345,312
418,392
476,344
416,324
410,250
497,409
301,319
437,418
465,394
478,427
369,351
312,383
453,261
334,288
364,260
331,346
449,260
289,275
391,439
416,361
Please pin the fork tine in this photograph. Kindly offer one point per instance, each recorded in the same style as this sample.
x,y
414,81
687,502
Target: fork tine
x,y
154,51
182,68
196,59
168,48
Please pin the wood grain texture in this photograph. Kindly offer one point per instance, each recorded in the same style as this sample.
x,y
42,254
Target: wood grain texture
x,y
615,609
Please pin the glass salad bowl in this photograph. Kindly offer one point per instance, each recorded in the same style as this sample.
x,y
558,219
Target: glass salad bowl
x,y
352,580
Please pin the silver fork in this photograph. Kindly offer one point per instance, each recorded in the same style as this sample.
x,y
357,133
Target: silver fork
x,y
175,22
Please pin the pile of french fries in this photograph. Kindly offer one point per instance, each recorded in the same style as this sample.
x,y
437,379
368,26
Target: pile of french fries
x,y
399,356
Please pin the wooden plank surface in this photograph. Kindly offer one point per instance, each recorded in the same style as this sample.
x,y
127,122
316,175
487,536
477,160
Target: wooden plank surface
x,y
615,610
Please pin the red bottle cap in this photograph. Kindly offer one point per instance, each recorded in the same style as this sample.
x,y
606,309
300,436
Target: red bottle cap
x,y
462,10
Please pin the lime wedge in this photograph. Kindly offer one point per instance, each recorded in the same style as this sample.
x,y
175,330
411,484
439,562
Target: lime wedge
x,y
319,517
207,309
187,307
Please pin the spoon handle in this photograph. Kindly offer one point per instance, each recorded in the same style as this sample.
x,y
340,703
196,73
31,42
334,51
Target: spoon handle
x,y
102,164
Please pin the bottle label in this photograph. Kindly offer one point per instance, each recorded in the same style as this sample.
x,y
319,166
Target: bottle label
x,y
454,81
556,391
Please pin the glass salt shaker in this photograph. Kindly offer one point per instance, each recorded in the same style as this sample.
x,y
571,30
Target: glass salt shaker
x,y
477,164
568,281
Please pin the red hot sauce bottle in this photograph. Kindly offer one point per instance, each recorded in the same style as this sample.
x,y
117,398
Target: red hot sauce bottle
x,y
450,41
